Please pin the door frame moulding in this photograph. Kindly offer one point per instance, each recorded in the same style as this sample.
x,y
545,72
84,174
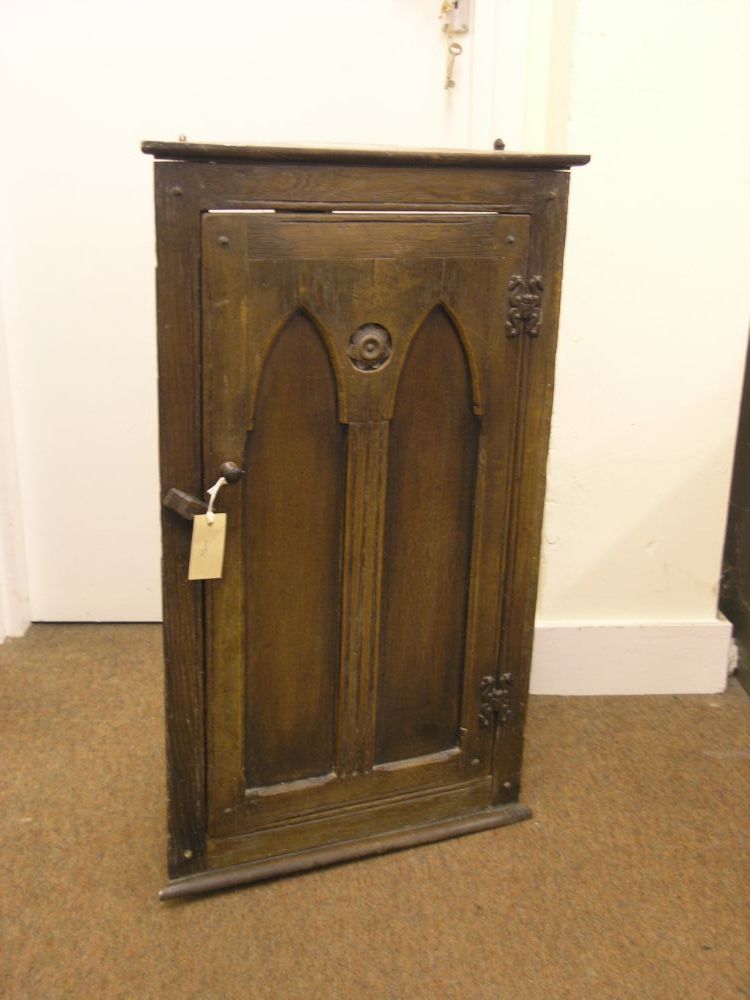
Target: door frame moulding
x,y
15,615
520,62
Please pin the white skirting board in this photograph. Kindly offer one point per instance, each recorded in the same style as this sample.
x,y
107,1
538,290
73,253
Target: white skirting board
x,y
623,658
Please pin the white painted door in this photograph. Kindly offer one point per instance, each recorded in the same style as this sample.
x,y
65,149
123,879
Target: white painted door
x,y
76,248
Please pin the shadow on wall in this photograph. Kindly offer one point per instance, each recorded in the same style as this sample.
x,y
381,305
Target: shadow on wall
x,y
735,582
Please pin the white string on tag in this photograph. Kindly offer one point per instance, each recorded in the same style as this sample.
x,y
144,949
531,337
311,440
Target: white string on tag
x,y
221,481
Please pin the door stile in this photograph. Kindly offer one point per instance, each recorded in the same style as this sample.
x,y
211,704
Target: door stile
x,y
226,421
493,511
367,468
536,377
504,788
472,741
496,357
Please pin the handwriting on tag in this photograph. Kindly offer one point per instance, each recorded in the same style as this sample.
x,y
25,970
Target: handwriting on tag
x,y
207,547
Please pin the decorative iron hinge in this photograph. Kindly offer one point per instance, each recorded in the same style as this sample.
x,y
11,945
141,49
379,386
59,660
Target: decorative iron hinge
x,y
524,305
495,699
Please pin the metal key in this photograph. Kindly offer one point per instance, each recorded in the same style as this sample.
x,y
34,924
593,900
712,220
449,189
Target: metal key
x,y
454,49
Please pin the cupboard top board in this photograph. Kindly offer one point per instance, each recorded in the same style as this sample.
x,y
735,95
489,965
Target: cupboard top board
x,y
384,155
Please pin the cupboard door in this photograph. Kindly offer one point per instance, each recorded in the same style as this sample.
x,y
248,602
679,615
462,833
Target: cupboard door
x,y
357,367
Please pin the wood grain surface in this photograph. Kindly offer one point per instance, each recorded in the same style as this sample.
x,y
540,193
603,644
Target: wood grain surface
x,y
347,347
428,532
292,557
347,154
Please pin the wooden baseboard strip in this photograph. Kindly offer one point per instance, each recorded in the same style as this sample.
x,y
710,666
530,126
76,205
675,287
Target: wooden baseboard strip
x,y
318,857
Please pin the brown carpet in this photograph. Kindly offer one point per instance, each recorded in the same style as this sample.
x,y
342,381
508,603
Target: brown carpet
x,y
631,881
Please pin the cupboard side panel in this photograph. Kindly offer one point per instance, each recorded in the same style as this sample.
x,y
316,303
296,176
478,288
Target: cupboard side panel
x,y
427,546
537,376
177,299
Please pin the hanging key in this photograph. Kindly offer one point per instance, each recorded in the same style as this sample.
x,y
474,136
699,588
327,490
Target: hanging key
x,y
454,49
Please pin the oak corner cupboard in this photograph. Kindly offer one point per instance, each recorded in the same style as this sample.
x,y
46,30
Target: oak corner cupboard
x,y
361,343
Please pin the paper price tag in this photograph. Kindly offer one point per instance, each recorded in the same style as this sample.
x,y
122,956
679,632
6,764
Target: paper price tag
x,y
207,547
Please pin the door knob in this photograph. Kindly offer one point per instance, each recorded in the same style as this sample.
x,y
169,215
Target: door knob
x,y
231,472
187,506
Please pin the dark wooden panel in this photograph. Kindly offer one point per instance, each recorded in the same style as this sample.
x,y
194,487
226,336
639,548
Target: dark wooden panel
x,y
345,289
364,818
535,381
367,470
210,152
351,236
224,186
178,256
428,529
295,465
292,801
207,765
312,858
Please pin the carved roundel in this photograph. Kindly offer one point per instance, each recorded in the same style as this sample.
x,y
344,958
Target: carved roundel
x,y
369,347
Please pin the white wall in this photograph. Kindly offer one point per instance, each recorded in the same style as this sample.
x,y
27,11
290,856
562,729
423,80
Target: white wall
x,y
655,312
655,304
654,323
84,82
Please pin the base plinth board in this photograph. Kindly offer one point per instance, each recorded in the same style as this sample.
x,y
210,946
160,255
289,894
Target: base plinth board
x,y
318,857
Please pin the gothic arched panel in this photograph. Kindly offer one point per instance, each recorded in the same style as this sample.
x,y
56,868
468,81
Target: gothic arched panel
x,y
293,524
428,530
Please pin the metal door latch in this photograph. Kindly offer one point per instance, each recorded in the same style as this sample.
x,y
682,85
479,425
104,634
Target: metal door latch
x,y
187,506
495,698
524,305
